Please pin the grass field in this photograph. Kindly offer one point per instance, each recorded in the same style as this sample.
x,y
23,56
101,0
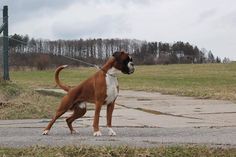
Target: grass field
x,y
217,81
124,151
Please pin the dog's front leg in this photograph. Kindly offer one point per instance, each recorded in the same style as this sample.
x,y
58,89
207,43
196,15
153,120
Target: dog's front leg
x,y
97,132
110,109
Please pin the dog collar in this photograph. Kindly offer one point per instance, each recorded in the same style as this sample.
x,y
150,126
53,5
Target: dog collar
x,y
107,73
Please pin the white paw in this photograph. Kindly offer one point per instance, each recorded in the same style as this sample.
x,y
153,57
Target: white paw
x,y
97,133
111,132
45,132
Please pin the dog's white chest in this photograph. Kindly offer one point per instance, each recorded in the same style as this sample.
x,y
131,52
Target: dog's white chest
x,y
112,88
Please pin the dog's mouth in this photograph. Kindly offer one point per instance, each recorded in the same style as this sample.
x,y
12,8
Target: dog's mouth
x,y
131,71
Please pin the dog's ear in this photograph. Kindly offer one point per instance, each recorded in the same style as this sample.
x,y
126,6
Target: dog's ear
x,y
117,54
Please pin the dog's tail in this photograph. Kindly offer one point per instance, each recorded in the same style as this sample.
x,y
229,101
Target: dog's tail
x,y
64,87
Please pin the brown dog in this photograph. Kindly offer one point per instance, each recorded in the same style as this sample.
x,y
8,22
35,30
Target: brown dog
x,y
100,89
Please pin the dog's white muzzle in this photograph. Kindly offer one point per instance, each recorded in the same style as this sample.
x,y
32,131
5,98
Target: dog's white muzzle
x,y
131,67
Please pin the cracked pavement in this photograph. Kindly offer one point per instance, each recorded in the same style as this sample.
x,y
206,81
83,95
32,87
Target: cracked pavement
x,y
143,119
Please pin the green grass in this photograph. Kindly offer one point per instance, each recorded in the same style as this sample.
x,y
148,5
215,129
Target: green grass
x,y
35,79
123,151
217,81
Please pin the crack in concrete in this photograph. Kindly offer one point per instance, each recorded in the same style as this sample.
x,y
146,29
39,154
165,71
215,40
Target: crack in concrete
x,y
158,112
219,113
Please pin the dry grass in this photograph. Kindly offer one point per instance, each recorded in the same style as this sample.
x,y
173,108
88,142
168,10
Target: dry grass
x,y
20,103
123,151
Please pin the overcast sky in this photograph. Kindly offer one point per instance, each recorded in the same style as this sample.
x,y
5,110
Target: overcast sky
x,y
209,24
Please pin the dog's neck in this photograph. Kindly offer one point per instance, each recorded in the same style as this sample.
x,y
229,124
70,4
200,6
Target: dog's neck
x,y
109,69
113,72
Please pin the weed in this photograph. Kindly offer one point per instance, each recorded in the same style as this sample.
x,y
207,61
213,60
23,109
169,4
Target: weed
x,y
122,151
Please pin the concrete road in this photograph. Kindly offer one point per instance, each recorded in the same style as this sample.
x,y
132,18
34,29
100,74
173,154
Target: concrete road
x,y
140,119
131,136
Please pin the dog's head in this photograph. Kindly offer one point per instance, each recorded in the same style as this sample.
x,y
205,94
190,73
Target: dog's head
x,y
123,62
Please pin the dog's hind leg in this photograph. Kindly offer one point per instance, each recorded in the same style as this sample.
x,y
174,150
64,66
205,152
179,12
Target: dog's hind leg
x,y
79,111
64,106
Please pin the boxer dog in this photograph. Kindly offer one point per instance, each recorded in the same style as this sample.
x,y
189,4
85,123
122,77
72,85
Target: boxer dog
x,y
101,89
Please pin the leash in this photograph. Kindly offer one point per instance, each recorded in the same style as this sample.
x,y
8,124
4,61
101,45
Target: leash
x,y
87,63
81,61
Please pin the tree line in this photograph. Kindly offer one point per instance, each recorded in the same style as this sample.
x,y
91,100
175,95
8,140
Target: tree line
x,y
97,50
